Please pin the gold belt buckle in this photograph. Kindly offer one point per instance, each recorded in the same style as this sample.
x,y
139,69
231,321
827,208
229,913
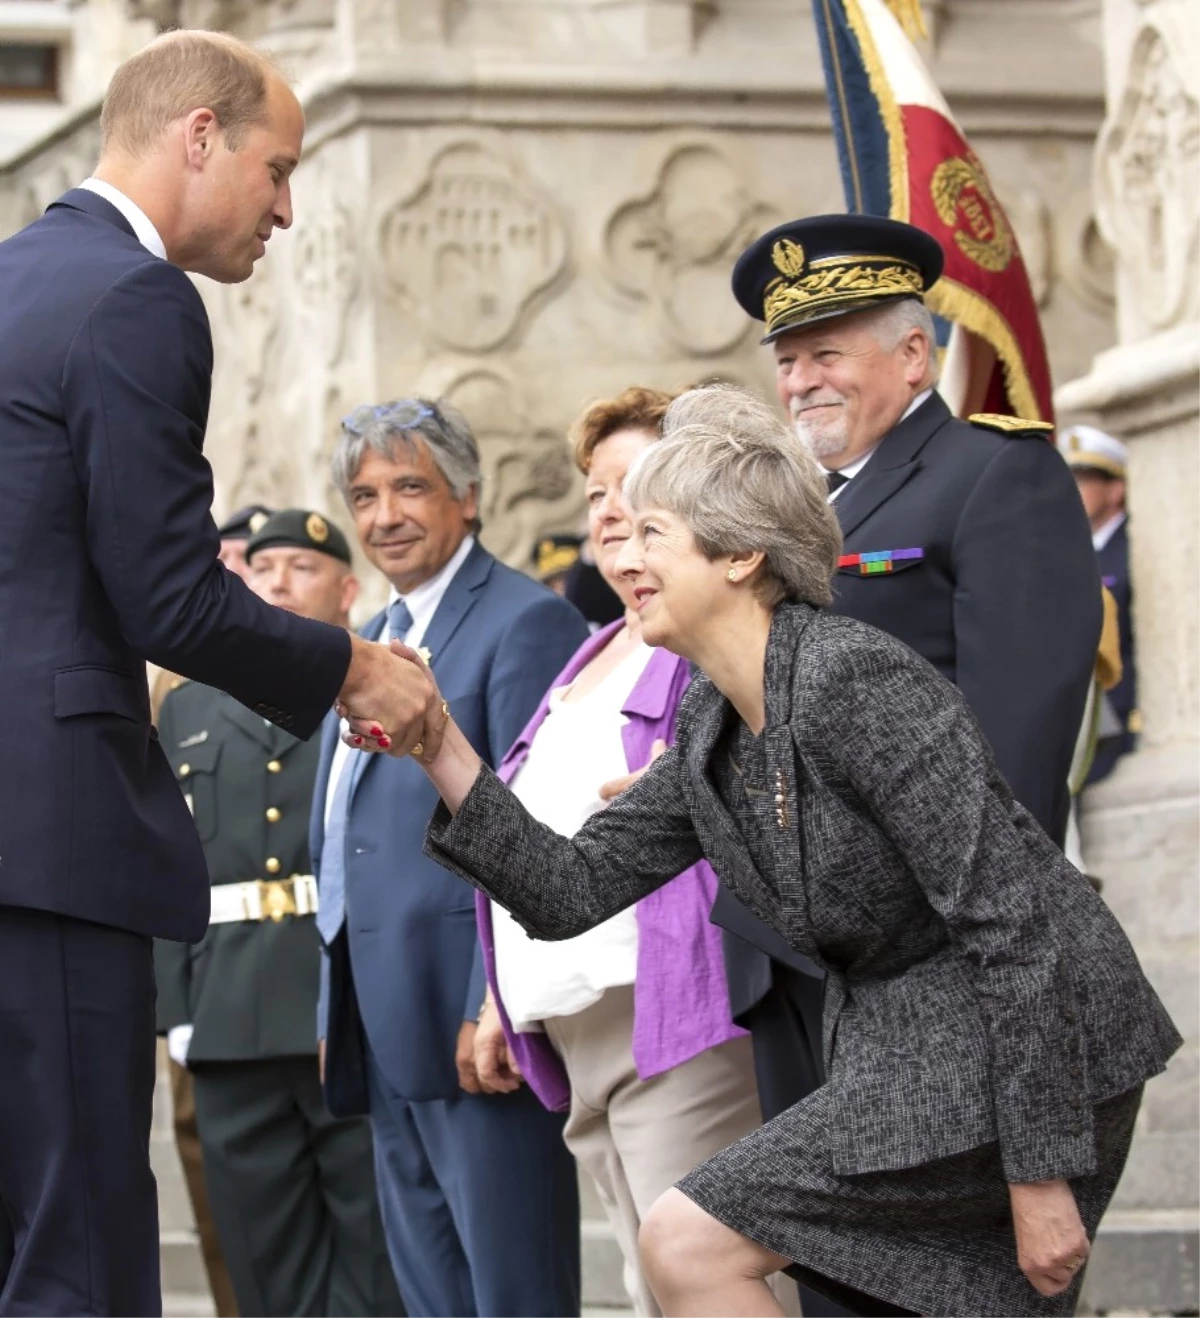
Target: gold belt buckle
x,y
278,899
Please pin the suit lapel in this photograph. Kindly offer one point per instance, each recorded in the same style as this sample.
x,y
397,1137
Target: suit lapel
x,y
457,602
892,465
706,728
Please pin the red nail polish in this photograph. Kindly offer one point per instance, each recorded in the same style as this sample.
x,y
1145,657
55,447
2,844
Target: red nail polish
x,y
376,731
385,742
358,741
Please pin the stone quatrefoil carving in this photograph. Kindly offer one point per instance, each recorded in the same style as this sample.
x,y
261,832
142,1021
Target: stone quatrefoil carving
x,y
1148,179
471,247
675,246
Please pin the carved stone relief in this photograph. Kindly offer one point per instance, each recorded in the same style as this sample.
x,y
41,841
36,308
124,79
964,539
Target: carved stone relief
x,y
674,247
529,480
1148,181
326,255
471,247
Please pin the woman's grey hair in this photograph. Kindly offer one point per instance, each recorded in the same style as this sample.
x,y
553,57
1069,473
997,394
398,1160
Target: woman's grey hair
x,y
894,320
441,428
741,480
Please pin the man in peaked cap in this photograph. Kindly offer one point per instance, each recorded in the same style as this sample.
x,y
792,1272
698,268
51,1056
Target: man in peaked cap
x,y
966,540
292,1189
1099,464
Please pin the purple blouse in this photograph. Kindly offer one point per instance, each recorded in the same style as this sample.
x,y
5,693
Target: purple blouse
x,y
680,1001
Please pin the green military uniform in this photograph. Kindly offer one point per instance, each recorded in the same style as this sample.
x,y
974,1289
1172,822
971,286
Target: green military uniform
x,y
292,1189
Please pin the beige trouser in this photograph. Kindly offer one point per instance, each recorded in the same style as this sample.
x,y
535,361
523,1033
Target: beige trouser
x,y
636,1138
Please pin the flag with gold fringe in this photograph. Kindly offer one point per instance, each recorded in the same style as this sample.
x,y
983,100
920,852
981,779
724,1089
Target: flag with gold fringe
x,y
903,155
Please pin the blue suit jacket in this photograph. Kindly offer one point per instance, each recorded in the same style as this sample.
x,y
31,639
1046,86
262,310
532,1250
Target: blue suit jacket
x,y
497,641
108,557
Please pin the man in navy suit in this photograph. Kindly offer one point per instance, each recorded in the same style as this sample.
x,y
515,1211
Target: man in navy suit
x,y
478,1191
965,541
1099,464
108,558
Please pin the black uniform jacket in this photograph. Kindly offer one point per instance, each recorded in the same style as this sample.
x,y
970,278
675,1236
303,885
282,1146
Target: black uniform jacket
x,y
248,988
1003,599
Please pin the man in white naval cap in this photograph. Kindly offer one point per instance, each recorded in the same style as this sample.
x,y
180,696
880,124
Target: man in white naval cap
x,y
1099,463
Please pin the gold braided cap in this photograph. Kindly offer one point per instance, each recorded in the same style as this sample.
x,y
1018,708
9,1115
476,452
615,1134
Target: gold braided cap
x,y
831,285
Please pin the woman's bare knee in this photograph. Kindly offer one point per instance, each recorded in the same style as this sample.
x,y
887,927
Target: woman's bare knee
x,y
687,1253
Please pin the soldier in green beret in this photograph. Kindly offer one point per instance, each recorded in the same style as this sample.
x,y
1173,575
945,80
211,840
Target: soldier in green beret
x,y
292,1188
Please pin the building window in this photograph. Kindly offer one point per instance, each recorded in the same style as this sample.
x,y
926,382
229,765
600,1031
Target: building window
x,y
28,72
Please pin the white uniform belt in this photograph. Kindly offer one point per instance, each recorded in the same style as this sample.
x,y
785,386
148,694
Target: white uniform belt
x,y
264,899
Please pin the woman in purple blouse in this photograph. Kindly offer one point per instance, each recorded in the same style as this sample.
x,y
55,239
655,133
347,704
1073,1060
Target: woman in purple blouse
x,y
626,1028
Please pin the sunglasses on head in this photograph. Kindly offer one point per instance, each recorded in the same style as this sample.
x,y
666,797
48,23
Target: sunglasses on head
x,y
402,414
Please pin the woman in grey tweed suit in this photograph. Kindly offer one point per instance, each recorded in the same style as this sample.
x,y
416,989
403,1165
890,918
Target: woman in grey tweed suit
x,y
988,1028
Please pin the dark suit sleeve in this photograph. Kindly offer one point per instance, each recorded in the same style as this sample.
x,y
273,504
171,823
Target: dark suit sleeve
x,y
136,388
910,749
531,654
172,964
1027,616
559,887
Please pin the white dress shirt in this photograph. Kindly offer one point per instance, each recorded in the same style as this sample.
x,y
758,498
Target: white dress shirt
x,y
858,464
139,221
576,750
422,603
1101,537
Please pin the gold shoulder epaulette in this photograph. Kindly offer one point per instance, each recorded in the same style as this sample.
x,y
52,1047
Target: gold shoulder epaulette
x,y
1009,425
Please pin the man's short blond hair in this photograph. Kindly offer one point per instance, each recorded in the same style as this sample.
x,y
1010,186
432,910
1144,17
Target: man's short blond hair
x,y
180,72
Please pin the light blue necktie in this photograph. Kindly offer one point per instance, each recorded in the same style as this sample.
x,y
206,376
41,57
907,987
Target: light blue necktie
x,y
331,910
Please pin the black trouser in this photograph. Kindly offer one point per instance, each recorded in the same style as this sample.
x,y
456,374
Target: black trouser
x,y
78,1209
789,1065
292,1192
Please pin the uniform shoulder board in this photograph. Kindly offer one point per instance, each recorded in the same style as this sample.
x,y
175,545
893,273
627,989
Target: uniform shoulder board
x,y
1009,425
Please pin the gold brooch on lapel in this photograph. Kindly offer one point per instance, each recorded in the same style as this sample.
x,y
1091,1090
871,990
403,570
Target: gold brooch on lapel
x,y
781,810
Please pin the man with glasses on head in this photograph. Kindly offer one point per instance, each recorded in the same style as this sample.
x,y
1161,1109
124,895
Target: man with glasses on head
x,y
477,1191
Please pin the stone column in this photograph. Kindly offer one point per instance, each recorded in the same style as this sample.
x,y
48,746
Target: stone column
x,y
1140,825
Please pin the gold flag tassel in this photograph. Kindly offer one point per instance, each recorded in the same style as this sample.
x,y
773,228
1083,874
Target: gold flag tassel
x,y
908,15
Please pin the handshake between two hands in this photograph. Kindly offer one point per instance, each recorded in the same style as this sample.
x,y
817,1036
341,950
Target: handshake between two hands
x,y
391,702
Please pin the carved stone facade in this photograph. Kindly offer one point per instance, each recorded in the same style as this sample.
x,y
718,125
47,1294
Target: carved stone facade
x,y
1140,826
502,199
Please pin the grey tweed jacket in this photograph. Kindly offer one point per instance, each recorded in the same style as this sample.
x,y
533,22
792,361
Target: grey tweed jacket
x,y
978,988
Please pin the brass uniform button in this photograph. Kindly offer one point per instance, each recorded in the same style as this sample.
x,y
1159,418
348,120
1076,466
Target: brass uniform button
x,y
184,770
273,866
274,815
273,766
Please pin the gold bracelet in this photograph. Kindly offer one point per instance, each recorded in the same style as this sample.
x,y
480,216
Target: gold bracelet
x,y
419,749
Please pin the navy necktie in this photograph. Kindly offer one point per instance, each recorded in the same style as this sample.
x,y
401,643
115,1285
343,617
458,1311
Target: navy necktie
x,y
399,620
835,480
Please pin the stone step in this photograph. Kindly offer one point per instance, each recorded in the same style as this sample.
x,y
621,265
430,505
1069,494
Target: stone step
x,y
185,1286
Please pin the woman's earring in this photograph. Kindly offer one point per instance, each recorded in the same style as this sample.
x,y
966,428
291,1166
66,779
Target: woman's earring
x,y
732,574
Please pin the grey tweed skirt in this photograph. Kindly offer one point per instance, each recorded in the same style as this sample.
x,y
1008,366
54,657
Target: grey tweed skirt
x,y
936,1239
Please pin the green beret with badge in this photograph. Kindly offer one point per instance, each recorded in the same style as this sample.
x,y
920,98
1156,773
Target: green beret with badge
x,y
300,528
244,523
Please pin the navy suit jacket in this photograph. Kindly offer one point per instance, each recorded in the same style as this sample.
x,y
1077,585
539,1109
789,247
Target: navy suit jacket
x,y
1004,602
497,641
108,557
1113,561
